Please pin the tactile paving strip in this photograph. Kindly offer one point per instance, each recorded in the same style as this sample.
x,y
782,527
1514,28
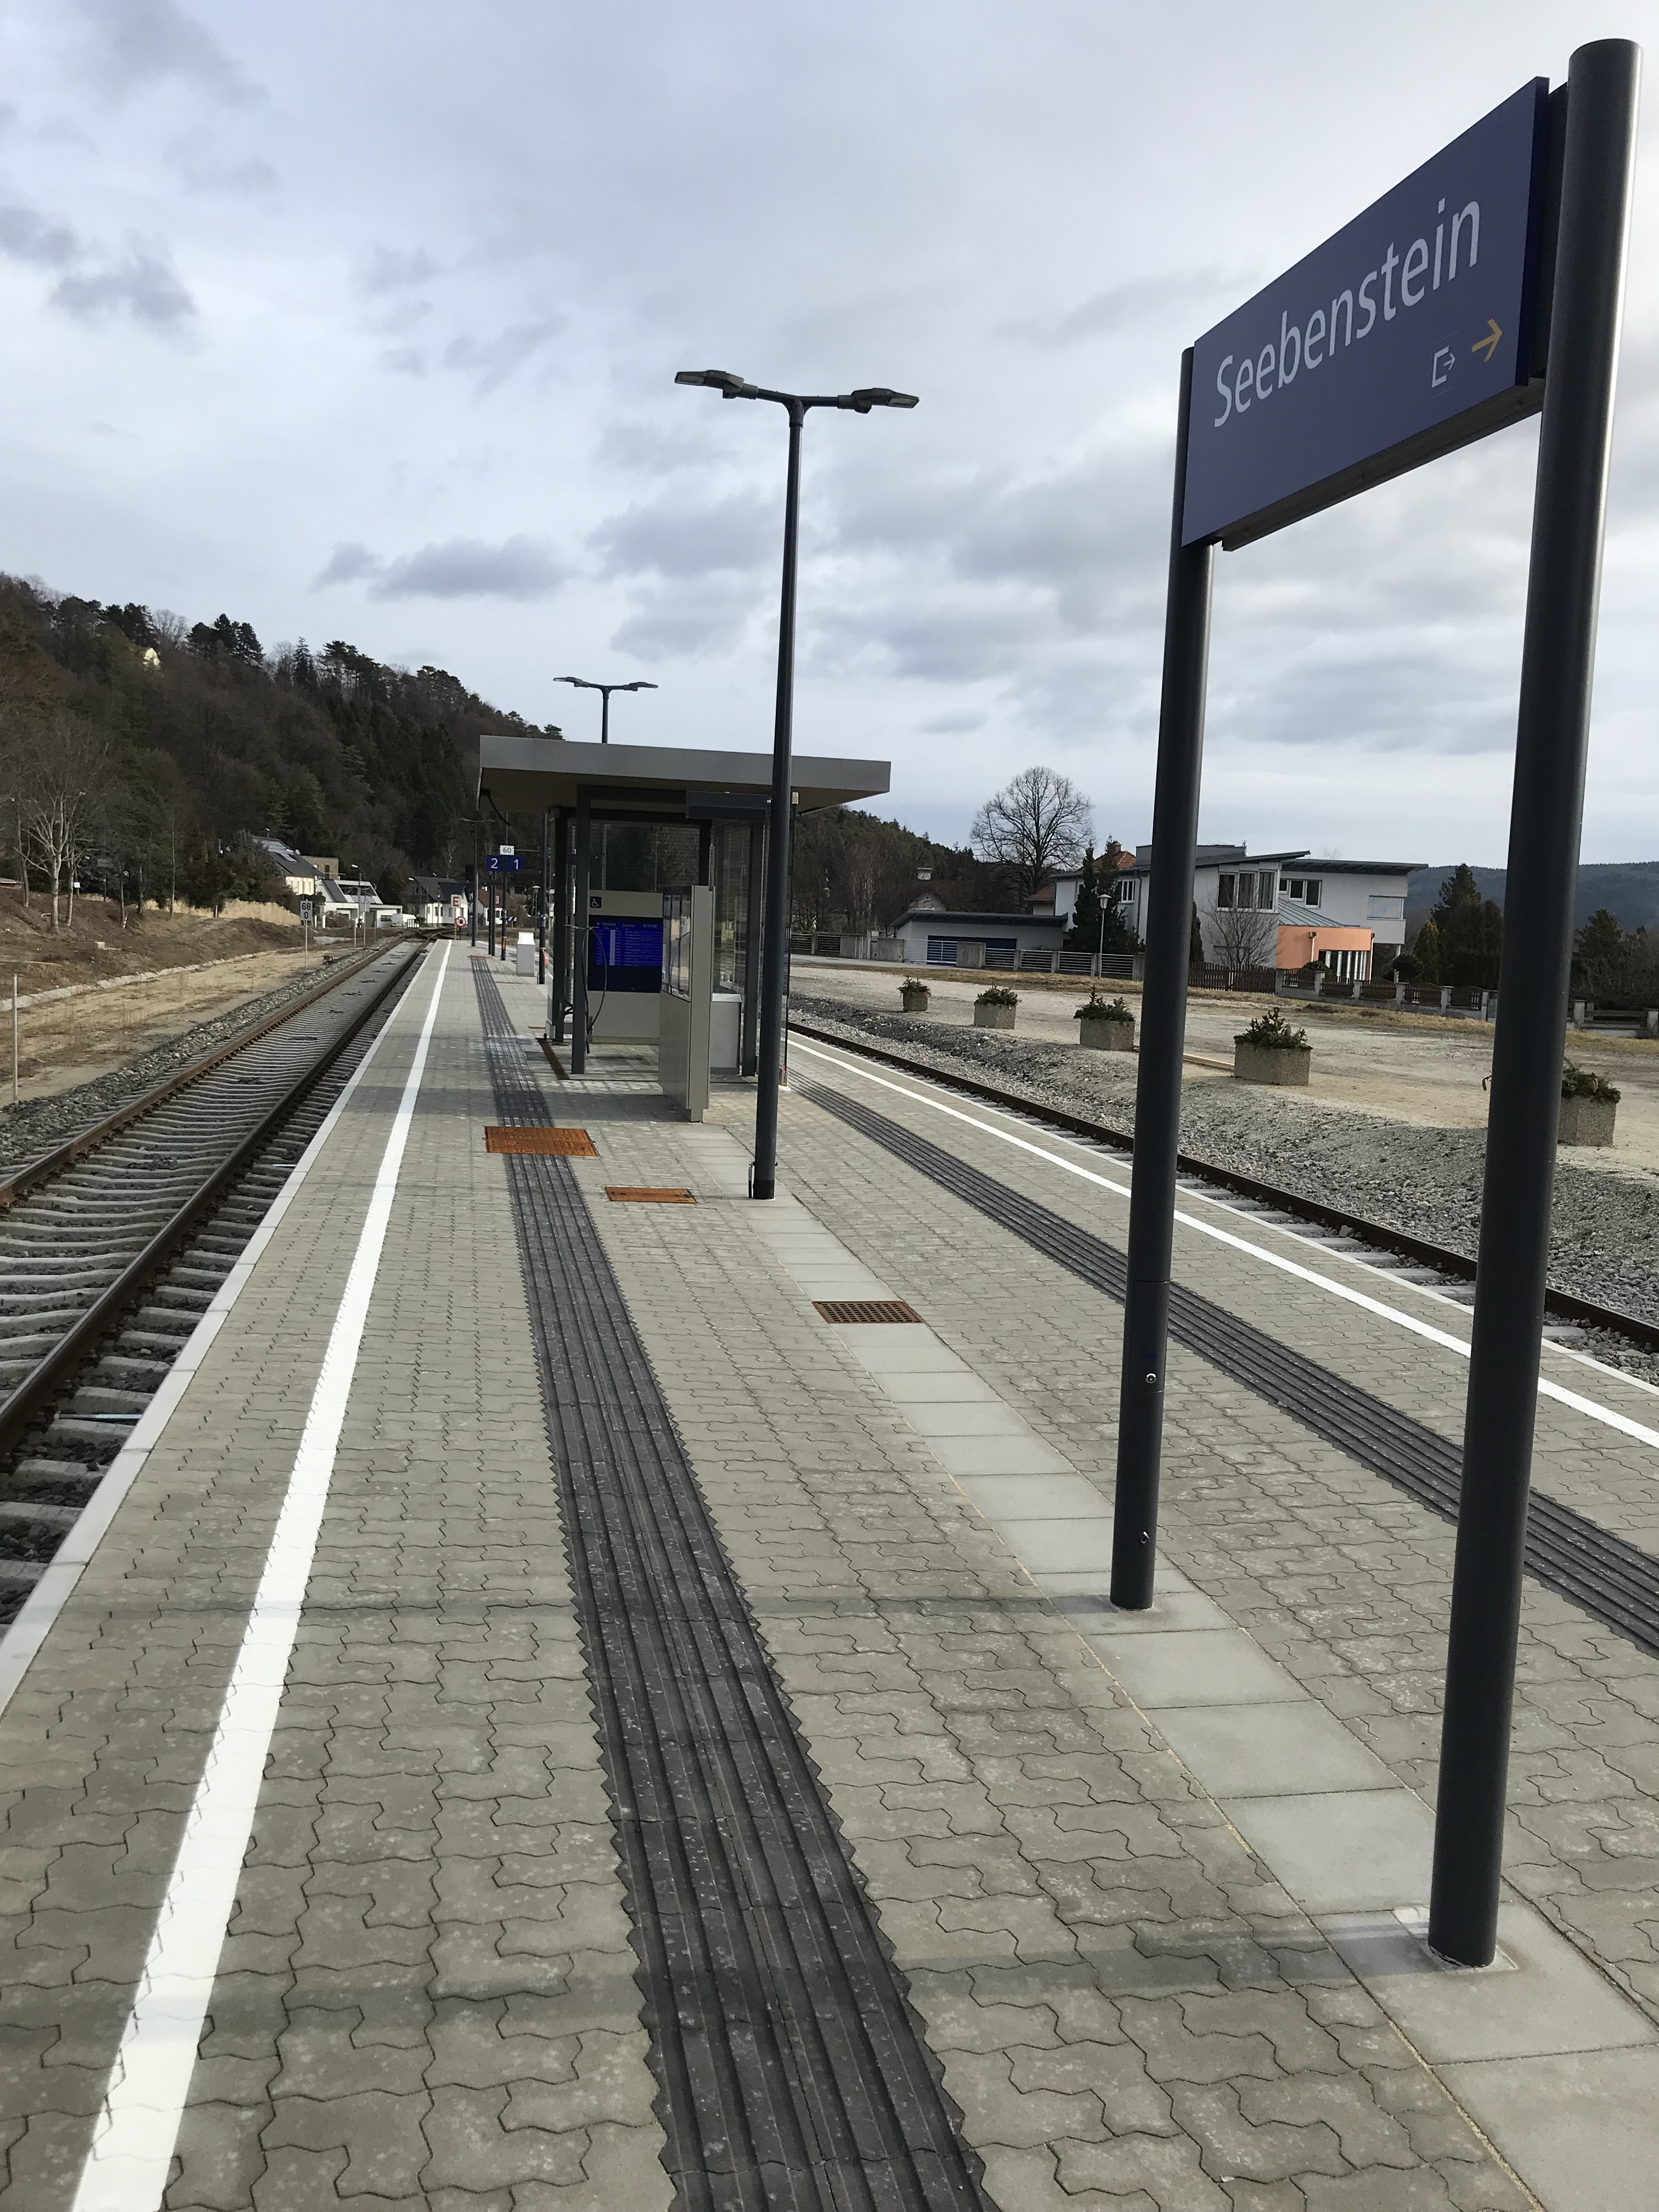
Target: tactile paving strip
x,y
542,1144
794,2075
1612,1580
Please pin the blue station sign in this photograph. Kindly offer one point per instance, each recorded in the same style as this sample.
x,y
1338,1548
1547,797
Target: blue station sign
x,y
1409,333
503,864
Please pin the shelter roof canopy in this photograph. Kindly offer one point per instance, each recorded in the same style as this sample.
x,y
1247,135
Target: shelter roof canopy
x,y
523,775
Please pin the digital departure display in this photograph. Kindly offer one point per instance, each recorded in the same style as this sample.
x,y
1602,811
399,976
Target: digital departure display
x,y
624,956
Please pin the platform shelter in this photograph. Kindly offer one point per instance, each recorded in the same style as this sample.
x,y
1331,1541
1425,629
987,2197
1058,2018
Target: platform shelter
x,y
725,795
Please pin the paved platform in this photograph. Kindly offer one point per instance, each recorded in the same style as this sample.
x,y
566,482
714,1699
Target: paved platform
x,y
1151,1885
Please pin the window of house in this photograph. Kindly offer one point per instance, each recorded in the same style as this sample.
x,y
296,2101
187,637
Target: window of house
x,y
1294,886
1266,891
1315,887
1379,909
1123,891
1224,889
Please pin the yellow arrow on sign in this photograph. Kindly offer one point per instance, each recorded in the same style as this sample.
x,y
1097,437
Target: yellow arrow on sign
x,y
1488,345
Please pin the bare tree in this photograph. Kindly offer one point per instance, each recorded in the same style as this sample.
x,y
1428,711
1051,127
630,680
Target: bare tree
x,y
1036,824
65,779
1244,936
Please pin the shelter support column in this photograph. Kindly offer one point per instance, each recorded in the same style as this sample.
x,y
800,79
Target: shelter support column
x,y
752,944
579,926
561,1005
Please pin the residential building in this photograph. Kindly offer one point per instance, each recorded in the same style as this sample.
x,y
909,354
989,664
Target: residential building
x,y
437,901
934,937
298,873
1286,909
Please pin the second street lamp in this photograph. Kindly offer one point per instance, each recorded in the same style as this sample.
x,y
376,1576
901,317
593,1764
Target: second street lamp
x,y
775,944
604,691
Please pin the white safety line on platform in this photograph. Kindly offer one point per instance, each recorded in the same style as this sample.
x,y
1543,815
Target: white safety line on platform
x,y
27,1632
126,2169
1589,1406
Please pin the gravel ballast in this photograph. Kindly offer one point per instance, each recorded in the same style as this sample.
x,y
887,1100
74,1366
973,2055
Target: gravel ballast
x,y
35,1125
1427,1181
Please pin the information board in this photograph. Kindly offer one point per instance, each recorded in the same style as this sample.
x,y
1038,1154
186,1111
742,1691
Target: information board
x,y
1406,334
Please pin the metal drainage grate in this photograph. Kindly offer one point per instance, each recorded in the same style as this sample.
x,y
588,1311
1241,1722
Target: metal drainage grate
x,y
542,1144
850,1312
630,1194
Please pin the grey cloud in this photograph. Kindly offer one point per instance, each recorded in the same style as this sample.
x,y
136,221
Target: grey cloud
x,y
1128,308
202,168
388,269
686,537
27,235
654,449
346,564
143,285
496,358
458,569
696,617
145,42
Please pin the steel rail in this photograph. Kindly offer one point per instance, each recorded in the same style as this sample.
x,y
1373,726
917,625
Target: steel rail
x,y
1561,1305
33,1396
46,1164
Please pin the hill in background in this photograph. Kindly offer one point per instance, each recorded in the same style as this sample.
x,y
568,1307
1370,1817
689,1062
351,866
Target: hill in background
x,y
213,741
1628,888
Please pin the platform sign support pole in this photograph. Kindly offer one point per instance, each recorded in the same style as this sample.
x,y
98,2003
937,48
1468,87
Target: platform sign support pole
x,y
1558,658
1163,1037
579,926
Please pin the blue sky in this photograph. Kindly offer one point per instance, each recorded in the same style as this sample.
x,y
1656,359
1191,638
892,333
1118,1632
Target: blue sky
x,y
362,322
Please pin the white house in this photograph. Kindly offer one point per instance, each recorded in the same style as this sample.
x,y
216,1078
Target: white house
x,y
1345,915
932,937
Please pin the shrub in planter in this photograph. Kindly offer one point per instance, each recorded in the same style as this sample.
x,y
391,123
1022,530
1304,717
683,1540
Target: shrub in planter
x,y
915,994
1588,1104
994,1009
1108,1024
1271,1051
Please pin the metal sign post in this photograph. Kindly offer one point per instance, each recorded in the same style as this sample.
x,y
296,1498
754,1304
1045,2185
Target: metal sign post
x,y
1163,1039
1551,744
1486,285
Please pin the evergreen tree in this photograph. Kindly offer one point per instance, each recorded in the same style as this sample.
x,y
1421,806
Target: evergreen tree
x,y
1470,930
1084,935
1425,953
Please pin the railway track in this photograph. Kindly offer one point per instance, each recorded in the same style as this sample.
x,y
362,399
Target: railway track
x,y
114,1244
1570,1315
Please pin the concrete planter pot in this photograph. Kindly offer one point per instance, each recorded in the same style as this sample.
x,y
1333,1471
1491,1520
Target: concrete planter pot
x,y
1107,1036
916,1002
994,1017
1286,1065
1586,1121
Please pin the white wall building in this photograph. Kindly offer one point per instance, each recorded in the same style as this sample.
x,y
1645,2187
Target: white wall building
x,y
1347,916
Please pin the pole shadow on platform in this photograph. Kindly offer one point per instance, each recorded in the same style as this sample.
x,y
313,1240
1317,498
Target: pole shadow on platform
x,y
1537,196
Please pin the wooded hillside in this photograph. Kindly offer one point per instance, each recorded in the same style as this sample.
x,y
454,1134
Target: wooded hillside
x,y
213,741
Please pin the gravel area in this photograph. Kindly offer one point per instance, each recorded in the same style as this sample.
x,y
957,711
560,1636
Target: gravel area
x,y
35,1125
1425,1181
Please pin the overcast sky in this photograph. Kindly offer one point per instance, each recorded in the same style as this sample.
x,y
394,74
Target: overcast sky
x,y
361,321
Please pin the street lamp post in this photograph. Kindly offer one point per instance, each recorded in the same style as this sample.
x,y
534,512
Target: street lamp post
x,y
604,691
775,944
